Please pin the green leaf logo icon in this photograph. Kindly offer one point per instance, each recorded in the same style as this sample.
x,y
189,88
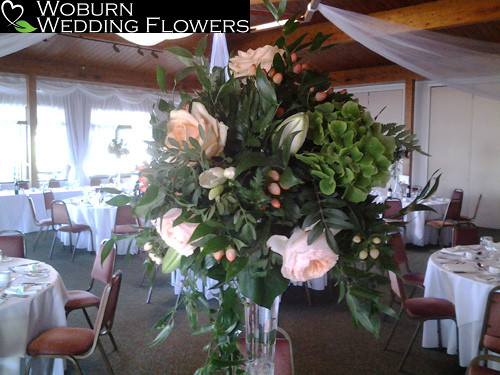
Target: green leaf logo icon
x,y
24,27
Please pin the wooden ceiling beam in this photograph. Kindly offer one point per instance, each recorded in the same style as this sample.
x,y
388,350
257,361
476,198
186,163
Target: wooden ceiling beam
x,y
102,75
427,16
378,74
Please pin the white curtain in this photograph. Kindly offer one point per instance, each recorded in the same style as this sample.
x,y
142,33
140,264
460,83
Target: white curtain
x,y
13,42
465,64
220,54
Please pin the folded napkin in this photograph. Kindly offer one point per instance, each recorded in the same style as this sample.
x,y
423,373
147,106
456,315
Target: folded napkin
x,y
453,251
24,289
466,267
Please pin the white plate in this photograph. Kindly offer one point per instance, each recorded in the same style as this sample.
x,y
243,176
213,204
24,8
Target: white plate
x,y
5,260
36,275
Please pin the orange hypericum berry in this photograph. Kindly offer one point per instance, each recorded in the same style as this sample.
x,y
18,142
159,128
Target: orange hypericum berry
x,y
271,73
275,203
293,57
280,112
343,91
284,187
143,179
320,96
306,67
230,254
329,91
274,188
143,188
278,77
275,176
297,68
218,255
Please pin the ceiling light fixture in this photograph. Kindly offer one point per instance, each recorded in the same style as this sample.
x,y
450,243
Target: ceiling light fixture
x,y
268,25
151,39
115,47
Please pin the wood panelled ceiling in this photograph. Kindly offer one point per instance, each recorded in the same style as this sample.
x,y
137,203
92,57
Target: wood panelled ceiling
x,y
107,58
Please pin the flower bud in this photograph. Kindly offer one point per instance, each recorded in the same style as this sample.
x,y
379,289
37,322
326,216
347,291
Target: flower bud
x,y
356,239
278,77
274,188
320,96
297,68
148,246
293,57
296,123
212,178
374,253
218,255
376,240
363,254
230,254
229,173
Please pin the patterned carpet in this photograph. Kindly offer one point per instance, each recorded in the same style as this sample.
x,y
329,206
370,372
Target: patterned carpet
x,y
324,341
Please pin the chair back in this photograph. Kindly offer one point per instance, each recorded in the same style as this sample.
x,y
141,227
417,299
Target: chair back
x,y
124,216
458,195
23,185
397,286
394,205
54,184
103,271
453,210
490,336
465,234
107,311
60,215
398,245
477,206
32,209
95,181
48,197
13,243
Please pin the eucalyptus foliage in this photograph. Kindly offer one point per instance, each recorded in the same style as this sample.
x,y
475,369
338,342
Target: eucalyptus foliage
x,y
325,187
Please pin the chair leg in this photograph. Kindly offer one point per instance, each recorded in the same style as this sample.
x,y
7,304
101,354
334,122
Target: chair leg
x,y
37,238
308,295
53,243
409,347
105,358
92,241
88,318
394,327
73,249
112,338
152,284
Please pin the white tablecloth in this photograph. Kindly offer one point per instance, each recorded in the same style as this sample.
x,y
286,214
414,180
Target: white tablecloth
x,y
415,231
101,218
15,212
23,319
469,294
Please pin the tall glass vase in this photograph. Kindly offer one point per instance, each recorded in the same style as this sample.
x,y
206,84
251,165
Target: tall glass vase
x,y
260,337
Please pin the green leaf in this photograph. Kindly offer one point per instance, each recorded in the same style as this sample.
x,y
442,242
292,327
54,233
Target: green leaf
x,y
201,47
182,54
24,27
119,200
107,249
202,77
265,87
160,77
183,73
262,290
171,261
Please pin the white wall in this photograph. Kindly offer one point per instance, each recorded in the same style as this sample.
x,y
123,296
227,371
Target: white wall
x,y
461,131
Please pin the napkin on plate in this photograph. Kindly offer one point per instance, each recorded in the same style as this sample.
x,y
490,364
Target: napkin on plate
x,y
465,267
453,251
23,289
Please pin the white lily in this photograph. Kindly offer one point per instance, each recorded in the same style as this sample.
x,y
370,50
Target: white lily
x,y
298,122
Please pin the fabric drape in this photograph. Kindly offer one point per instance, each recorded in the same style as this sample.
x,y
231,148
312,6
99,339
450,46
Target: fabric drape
x,y
13,42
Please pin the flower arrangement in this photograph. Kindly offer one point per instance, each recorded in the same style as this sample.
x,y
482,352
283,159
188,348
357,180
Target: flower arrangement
x,y
265,178
116,147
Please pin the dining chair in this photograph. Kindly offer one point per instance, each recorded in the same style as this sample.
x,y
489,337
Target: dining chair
x,y
95,181
283,355
48,197
421,309
465,234
13,243
471,219
43,225
125,221
400,257
391,214
23,185
82,299
490,337
60,216
450,218
54,184
74,343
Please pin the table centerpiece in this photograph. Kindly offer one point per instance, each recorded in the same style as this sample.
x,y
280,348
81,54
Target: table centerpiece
x,y
259,179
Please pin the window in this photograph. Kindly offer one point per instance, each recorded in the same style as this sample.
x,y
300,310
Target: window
x,y
104,124
14,141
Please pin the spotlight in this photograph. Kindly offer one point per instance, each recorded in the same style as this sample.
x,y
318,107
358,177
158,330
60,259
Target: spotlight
x,y
115,47
139,51
153,53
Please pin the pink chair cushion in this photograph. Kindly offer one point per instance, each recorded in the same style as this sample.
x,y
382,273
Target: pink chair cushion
x,y
428,307
77,228
415,278
438,223
45,222
80,298
62,341
479,370
124,229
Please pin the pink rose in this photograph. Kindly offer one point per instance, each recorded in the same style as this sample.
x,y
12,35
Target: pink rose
x,y
177,237
241,64
302,262
184,125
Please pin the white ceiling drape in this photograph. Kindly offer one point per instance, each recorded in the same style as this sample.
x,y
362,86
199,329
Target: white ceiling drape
x,y
13,42
465,64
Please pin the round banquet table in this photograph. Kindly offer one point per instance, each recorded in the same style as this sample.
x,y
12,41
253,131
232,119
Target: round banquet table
x,y
24,318
101,218
449,275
